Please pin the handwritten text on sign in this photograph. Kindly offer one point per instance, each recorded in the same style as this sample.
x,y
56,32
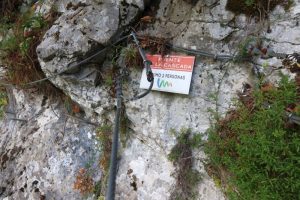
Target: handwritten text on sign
x,y
171,73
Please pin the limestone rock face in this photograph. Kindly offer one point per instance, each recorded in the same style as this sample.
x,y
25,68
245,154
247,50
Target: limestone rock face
x,y
82,28
42,149
155,115
52,150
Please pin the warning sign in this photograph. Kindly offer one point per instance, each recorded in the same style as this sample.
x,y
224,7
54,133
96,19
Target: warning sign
x,y
172,73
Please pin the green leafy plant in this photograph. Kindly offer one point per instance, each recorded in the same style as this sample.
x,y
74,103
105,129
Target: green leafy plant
x,y
103,136
181,155
245,44
256,7
131,56
9,44
24,46
124,127
253,151
108,81
34,22
17,38
3,102
249,2
22,32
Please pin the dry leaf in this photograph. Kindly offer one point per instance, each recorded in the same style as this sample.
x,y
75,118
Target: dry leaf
x,y
147,19
267,87
84,182
76,108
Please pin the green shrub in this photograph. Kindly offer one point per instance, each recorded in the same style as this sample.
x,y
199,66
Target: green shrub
x,y
131,57
18,40
181,155
104,137
9,44
22,32
249,2
3,103
256,149
259,8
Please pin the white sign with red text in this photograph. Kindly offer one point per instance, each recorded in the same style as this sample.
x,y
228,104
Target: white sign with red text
x,y
172,73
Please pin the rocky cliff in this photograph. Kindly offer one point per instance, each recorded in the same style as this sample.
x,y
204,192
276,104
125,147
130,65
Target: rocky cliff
x,y
43,147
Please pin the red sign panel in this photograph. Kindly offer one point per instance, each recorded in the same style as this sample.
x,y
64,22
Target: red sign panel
x,y
172,62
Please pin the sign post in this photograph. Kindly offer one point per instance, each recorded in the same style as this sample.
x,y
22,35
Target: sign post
x,y
172,73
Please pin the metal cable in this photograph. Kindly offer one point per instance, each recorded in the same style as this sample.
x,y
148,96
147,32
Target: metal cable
x,y
147,63
115,142
72,67
220,57
144,93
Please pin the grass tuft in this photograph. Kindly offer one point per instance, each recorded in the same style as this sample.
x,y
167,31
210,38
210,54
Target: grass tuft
x,y
104,137
84,182
256,7
186,176
3,102
254,151
22,32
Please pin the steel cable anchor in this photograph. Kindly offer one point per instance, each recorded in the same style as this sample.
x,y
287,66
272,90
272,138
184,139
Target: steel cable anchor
x,y
115,141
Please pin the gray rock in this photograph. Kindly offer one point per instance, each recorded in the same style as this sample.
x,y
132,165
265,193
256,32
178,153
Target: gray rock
x,y
77,34
42,149
153,116
83,29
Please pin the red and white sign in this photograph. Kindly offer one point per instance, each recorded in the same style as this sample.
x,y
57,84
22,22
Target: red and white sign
x,y
172,73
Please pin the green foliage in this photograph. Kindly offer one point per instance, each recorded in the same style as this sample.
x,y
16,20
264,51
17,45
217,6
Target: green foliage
x,y
101,198
129,52
9,44
34,22
4,26
9,41
213,96
3,102
249,2
244,45
24,46
131,56
68,104
297,110
184,140
21,32
181,156
258,151
16,41
124,127
256,7
108,81
103,136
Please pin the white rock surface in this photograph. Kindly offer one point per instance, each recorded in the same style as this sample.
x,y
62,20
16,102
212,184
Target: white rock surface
x,y
42,149
143,161
155,115
74,36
